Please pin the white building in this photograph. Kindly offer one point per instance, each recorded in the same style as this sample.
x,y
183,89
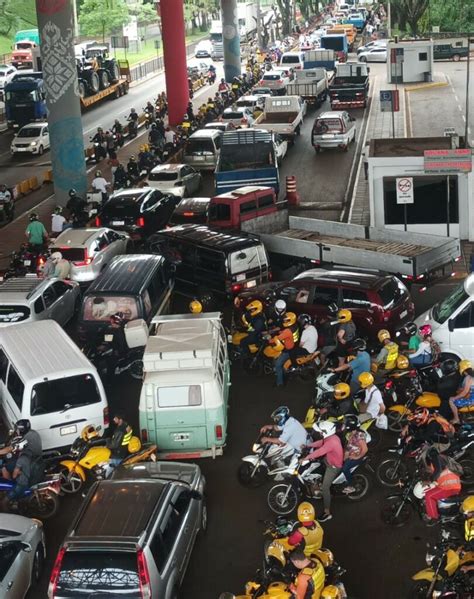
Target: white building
x,y
390,159
409,61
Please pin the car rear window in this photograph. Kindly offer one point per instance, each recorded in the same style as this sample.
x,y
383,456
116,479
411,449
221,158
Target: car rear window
x,y
391,292
101,308
59,394
121,207
14,313
163,176
176,397
274,77
71,254
86,572
199,146
290,60
232,115
328,125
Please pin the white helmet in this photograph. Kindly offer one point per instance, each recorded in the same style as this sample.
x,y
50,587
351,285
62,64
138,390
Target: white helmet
x,y
56,256
419,490
280,306
325,428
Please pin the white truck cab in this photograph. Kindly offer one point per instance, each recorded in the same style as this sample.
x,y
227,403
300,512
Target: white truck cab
x,y
452,321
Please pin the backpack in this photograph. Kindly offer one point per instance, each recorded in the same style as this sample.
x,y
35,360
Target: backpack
x,y
447,427
435,350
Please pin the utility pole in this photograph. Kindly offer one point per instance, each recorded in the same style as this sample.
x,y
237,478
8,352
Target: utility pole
x,y
389,19
259,25
468,75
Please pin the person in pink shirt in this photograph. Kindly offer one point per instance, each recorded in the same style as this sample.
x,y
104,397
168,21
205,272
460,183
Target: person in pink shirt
x,y
329,448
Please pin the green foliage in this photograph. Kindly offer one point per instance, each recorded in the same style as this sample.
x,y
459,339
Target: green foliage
x,y
407,13
9,19
102,16
145,13
451,15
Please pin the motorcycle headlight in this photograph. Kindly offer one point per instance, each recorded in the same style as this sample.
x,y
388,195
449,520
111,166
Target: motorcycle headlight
x,y
256,447
436,594
429,559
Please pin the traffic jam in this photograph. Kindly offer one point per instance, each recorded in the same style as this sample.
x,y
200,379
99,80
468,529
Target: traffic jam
x,y
135,323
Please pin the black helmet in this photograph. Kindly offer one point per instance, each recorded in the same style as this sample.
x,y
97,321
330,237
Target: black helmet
x,y
359,345
333,309
351,422
22,426
449,366
33,216
153,125
410,328
304,319
72,193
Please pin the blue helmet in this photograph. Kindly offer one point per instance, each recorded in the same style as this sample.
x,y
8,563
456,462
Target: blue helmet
x,y
280,415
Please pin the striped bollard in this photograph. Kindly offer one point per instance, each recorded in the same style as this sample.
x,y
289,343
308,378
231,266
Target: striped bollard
x,y
292,196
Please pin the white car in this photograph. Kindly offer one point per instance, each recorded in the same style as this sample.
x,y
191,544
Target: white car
x,y
7,72
203,49
31,139
371,45
22,555
239,116
375,54
275,80
179,179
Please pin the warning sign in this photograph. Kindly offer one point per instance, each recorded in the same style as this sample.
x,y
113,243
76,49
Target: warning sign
x,y
405,190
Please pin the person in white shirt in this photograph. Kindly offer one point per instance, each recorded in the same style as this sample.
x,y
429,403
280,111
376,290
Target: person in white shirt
x,y
100,185
57,221
308,343
170,136
372,406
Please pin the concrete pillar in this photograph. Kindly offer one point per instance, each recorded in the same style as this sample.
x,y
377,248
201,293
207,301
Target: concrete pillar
x,y
56,29
230,39
174,54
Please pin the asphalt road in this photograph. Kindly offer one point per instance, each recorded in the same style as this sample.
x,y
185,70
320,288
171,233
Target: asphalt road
x,y
378,560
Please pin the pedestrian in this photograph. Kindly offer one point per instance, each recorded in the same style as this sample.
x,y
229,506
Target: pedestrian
x,y
57,221
365,159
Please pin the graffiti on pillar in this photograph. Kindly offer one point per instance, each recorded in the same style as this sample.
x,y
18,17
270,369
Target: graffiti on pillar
x,y
50,7
59,72
68,152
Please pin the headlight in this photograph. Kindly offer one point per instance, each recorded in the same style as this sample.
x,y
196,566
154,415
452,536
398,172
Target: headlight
x,y
33,143
256,447
429,559
436,594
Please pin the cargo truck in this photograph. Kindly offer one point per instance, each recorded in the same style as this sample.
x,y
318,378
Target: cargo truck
x,y
282,115
25,41
350,86
314,59
336,42
311,85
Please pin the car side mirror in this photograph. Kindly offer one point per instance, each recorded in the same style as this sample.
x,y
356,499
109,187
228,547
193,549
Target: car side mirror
x,y
451,325
26,547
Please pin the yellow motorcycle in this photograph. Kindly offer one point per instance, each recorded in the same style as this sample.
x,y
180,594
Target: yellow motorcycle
x,y
444,574
90,456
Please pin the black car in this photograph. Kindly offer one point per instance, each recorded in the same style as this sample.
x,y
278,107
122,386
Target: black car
x,y
191,210
140,211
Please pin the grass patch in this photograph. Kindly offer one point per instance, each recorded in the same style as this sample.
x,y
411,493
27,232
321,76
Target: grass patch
x,y
26,11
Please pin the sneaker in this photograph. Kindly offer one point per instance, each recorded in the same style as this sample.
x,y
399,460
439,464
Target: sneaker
x,y
348,490
325,517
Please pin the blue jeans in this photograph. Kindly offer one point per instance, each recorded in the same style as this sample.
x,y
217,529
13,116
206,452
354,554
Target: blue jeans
x,y
422,360
347,467
282,358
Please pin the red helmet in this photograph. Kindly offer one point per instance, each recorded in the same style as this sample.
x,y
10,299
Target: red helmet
x,y
425,330
420,416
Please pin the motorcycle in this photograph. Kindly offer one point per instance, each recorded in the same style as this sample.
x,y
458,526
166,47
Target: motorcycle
x,y
304,481
92,457
397,508
132,128
103,356
426,399
99,151
39,501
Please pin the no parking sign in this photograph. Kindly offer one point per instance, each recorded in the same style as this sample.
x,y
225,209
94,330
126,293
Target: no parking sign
x,y
405,190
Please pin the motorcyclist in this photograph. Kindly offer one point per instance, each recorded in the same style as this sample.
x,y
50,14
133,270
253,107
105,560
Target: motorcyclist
x,y
254,320
117,127
307,581
423,354
346,332
36,233
386,359
118,443
115,334
62,267
170,136
286,338
276,314
291,432
446,483
308,342
186,125
329,447
354,451
25,465
132,169
146,160
341,403
132,123
155,137
76,205
360,364
99,136
223,86
467,511
100,185
424,427
465,396
409,337
372,405
120,177
448,385
308,533
133,116
6,204
57,221
150,109
327,329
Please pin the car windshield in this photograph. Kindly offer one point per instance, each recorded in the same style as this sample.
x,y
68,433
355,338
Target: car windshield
x,y
163,176
99,574
102,308
3,73
446,308
22,96
13,313
29,132
62,394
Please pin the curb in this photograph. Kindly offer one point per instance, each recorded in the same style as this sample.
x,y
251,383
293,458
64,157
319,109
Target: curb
x,y
433,84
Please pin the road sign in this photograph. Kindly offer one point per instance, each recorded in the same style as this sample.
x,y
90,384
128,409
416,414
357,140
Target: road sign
x,y
389,100
448,161
405,190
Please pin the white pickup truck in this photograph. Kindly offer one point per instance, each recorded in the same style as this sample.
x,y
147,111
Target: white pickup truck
x,y
282,115
311,85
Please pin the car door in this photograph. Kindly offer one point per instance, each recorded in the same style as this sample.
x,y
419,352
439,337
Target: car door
x,y
15,570
188,515
379,55
461,332
192,180
102,252
117,245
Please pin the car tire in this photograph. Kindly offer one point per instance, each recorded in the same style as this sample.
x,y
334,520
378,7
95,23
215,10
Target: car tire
x,y
40,151
38,564
456,57
362,59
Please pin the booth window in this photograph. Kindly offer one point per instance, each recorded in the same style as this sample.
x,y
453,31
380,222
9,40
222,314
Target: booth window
x,y
430,205
422,56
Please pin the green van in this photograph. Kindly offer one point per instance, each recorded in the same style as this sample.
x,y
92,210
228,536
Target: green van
x,y
184,396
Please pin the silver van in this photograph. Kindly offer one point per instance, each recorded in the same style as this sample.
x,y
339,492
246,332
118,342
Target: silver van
x,y
202,149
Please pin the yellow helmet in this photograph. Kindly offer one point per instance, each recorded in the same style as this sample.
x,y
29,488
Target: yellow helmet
x,y
330,592
306,512
341,391
464,365
195,307
467,506
382,335
289,319
89,432
344,315
403,362
277,551
365,380
254,308
134,445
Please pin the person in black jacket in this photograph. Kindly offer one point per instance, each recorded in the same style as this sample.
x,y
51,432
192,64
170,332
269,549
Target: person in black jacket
x,y
341,404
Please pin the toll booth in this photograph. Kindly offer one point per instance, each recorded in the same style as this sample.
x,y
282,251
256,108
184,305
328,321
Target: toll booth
x,y
410,61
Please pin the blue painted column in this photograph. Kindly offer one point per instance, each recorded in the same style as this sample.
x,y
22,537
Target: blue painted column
x,y
56,29
230,39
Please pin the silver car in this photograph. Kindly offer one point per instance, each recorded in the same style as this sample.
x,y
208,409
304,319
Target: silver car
x,y
90,250
137,529
22,555
26,299
179,179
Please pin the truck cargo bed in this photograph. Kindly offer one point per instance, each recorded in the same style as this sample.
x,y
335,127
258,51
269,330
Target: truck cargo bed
x,y
278,117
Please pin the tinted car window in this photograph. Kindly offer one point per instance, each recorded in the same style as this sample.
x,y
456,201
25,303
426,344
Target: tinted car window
x,y
353,298
60,287
8,552
14,313
52,396
15,386
325,295
39,305
49,297
464,319
219,212
3,365
71,254
121,207
209,260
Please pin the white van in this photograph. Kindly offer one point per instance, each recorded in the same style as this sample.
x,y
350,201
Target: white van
x,y
452,321
202,149
291,60
46,378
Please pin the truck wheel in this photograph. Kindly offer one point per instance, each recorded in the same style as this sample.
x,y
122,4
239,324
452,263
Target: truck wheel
x,y
456,57
298,130
113,70
82,89
103,79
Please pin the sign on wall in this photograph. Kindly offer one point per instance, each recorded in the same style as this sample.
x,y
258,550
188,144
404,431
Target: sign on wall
x,y
448,161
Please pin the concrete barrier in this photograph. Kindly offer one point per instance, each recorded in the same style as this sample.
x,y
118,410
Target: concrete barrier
x,y
33,183
24,187
48,176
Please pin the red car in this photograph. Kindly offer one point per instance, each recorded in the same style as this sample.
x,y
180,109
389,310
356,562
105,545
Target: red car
x,y
377,301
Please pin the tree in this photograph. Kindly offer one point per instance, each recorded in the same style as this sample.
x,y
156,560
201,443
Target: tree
x,y
285,7
410,11
8,17
102,16
145,13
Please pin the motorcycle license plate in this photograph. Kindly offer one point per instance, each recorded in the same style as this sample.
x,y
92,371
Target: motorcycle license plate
x,y
118,223
27,262
250,284
68,430
93,211
108,338
181,437
403,314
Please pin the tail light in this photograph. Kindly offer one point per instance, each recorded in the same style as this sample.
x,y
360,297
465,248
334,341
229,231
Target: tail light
x,y
144,435
140,221
219,433
98,221
188,213
87,260
41,261
53,581
388,384
106,416
143,576
236,288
